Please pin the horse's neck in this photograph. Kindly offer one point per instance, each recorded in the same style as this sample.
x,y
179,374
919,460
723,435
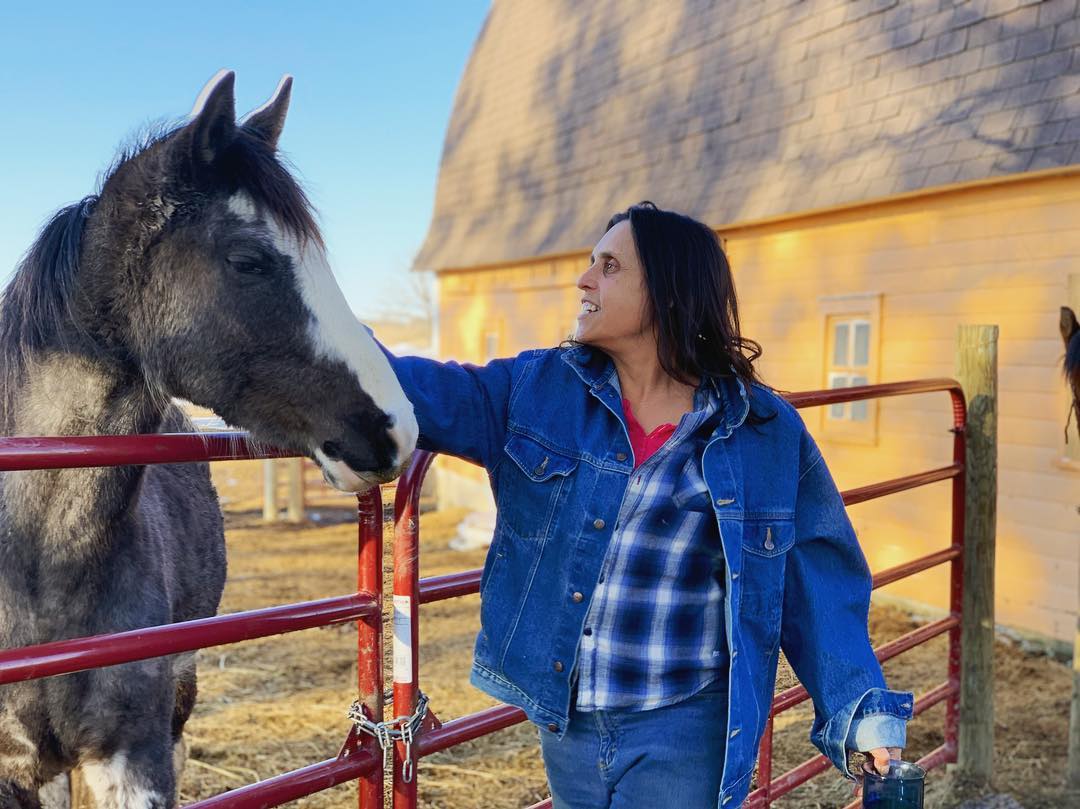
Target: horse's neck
x,y
61,395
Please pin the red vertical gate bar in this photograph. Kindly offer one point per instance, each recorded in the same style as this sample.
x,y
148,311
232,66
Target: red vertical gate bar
x,y
956,581
407,617
764,777
369,637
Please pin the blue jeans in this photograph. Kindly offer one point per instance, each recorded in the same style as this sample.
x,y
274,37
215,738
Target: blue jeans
x,y
668,756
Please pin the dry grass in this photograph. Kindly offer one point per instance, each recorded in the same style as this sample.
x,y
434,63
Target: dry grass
x,y
271,705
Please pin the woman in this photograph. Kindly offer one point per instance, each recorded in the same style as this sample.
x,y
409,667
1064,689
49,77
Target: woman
x,y
665,524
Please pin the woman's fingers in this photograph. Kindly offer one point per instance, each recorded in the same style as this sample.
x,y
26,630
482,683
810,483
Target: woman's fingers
x,y
879,757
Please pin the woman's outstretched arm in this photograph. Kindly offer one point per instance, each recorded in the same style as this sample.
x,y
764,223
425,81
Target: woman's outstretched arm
x,y
460,408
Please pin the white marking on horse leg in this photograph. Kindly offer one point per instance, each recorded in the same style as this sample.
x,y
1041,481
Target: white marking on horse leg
x,y
116,786
56,794
338,335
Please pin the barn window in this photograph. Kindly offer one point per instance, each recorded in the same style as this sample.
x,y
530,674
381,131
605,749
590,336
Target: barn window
x,y
849,351
850,339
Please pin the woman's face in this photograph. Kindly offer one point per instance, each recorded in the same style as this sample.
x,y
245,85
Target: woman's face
x,y
614,308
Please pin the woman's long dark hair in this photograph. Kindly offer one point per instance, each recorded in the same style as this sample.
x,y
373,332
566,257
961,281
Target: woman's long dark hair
x,y
694,311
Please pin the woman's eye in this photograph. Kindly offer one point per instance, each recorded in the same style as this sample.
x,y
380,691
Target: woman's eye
x,y
609,266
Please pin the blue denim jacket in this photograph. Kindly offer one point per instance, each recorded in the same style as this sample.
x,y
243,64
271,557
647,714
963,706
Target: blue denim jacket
x,y
796,579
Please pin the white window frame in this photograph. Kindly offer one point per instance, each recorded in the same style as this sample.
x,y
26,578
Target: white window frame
x,y
862,307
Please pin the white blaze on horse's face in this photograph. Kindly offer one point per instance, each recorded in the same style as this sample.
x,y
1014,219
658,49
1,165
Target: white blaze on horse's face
x,y
336,334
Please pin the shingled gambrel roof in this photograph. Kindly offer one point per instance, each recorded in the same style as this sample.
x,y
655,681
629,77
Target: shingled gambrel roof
x,y
740,109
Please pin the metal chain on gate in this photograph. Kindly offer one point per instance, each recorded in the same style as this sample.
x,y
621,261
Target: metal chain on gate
x,y
386,733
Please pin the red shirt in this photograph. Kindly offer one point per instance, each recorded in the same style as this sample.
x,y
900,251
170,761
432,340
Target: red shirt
x,y
644,445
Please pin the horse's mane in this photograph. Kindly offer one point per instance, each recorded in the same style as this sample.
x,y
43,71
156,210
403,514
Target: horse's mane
x,y
39,296
268,179
36,308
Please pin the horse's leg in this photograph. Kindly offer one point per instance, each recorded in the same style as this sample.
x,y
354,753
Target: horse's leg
x,y
135,770
186,693
137,778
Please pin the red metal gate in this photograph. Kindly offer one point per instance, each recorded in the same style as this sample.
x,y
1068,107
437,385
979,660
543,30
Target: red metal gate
x,y
360,757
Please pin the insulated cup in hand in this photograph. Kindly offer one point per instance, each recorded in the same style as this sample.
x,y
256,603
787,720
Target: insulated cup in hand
x,y
900,788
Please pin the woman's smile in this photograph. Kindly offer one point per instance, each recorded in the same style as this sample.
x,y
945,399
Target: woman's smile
x,y
587,308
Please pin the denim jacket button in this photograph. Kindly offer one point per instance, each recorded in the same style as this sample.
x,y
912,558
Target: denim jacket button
x,y
598,524
558,665
620,456
553,727
578,598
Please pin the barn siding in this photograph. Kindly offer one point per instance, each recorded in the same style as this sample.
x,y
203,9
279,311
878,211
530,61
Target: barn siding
x,y
996,254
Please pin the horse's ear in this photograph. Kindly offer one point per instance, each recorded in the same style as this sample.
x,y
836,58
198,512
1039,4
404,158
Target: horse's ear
x,y
268,120
1068,323
213,124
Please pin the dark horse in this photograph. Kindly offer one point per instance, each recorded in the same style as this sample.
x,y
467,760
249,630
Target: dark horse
x,y
197,272
1070,333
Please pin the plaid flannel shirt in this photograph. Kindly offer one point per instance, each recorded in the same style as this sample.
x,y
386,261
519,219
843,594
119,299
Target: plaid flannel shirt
x,y
655,628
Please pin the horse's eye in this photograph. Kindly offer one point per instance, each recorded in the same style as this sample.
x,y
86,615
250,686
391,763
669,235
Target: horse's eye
x,y
249,266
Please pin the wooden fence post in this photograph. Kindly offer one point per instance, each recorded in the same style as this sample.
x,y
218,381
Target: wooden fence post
x,y
1072,776
294,477
976,370
270,501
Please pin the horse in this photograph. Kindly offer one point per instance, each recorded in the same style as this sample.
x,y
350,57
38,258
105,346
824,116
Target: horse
x,y
1070,333
197,272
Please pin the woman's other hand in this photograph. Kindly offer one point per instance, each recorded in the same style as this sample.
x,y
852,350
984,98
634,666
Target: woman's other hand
x,y
879,757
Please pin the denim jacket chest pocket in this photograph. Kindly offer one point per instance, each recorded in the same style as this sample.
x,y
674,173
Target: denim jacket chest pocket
x,y
691,493
765,545
532,486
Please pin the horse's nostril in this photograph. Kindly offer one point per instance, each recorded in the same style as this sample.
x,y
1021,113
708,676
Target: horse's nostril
x,y
332,450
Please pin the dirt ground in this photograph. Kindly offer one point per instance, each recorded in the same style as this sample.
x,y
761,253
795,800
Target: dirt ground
x,y
271,705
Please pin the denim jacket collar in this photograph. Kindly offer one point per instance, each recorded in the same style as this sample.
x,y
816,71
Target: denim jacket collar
x,y
596,370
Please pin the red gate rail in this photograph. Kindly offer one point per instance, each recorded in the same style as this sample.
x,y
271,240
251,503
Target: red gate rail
x,y
410,591
80,451
67,656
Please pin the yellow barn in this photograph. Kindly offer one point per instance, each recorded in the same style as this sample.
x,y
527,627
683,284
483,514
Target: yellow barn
x,y
880,172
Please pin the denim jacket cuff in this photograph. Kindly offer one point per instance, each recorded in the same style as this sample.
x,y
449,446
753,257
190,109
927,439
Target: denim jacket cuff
x,y
831,739
878,730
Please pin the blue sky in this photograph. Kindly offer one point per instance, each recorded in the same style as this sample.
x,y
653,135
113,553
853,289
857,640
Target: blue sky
x,y
374,87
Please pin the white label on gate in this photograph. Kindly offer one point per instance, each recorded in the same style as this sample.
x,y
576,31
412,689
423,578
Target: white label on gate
x,y
403,672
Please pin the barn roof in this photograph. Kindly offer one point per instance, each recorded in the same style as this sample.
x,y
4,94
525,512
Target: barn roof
x,y
733,111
